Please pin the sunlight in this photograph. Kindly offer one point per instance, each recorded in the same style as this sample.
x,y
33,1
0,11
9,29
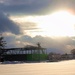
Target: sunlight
x,y
60,23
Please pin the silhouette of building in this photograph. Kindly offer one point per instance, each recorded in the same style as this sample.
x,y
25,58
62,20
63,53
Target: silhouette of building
x,y
29,53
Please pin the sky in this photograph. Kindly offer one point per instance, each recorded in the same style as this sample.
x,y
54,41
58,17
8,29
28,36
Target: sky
x,y
50,22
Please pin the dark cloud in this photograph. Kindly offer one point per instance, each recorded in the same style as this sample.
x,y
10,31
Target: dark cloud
x,y
22,6
35,6
7,25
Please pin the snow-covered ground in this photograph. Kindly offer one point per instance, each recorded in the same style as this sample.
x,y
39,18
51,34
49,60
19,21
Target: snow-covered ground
x,y
43,68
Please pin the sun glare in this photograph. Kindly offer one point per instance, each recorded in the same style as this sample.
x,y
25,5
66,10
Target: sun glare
x,y
60,23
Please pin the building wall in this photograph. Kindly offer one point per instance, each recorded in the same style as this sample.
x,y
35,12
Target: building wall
x,y
25,57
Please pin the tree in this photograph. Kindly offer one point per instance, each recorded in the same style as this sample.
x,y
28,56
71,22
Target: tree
x,y
73,51
2,44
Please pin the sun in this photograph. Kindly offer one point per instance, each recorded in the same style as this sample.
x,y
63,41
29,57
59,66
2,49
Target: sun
x,y
60,23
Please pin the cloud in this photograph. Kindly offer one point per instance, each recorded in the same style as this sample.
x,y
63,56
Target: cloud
x,y
32,7
28,26
10,39
13,2
59,45
22,6
35,7
7,25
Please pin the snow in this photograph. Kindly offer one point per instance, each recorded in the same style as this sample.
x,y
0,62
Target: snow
x,y
43,68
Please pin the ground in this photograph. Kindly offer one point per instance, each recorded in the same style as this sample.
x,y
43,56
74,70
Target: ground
x,y
43,68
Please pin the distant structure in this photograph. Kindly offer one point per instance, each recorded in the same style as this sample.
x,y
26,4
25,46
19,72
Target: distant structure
x,y
29,53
